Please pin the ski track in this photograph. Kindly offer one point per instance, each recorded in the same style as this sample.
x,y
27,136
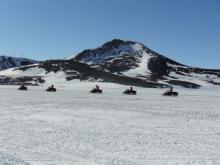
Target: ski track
x,y
73,126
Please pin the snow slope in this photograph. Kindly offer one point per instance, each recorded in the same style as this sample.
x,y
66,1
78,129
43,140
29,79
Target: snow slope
x,y
32,71
142,69
73,126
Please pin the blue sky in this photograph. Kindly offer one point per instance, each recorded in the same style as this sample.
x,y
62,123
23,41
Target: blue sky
x,y
185,30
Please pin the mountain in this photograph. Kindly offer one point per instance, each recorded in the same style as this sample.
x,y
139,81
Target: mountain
x,y
134,59
117,61
127,57
118,56
10,62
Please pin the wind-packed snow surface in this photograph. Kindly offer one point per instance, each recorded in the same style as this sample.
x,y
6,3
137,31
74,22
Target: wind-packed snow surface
x,y
74,127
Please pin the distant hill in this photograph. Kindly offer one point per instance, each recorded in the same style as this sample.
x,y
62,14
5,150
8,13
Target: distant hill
x,y
10,62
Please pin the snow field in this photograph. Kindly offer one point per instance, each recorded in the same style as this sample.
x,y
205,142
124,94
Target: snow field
x,y
73,126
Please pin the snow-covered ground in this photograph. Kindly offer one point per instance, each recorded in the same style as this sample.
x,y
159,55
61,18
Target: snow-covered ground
x,y
74,127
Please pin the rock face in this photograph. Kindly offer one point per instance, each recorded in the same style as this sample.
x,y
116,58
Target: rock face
x,y
10,62
158,66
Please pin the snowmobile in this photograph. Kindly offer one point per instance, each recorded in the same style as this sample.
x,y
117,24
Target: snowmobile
x,y
51,89
171,93
23,88
130,91
96,90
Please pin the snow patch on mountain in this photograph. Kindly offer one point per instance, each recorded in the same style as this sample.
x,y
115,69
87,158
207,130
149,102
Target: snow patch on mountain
x,y
33,70
56,78
142,69
137,47
205,80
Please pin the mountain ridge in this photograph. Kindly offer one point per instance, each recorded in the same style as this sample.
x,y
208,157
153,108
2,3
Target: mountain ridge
x,y
123,62
7,62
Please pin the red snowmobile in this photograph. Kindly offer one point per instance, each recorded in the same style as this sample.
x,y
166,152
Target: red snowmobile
x,y
171,93
51,89
130,91
23,87
96,90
